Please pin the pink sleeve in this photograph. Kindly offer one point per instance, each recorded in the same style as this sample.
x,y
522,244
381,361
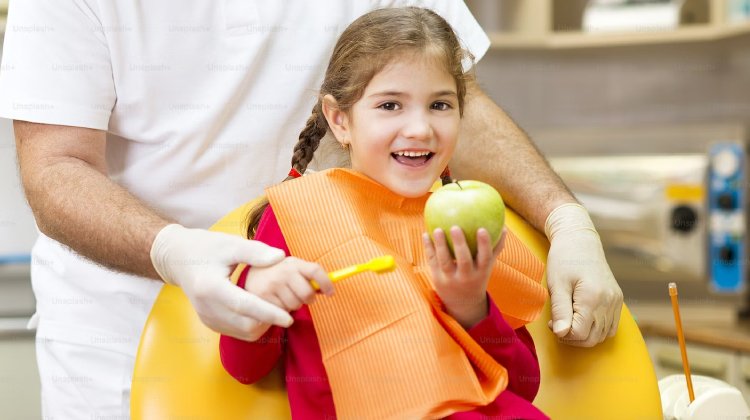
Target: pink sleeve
x,y
248,361
514,349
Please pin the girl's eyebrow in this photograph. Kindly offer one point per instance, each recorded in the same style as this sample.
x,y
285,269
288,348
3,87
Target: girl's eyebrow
x,y
397,93
388,93
446,93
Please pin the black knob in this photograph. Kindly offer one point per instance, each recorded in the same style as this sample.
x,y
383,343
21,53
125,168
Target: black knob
x,y
684,219
726,255
725,201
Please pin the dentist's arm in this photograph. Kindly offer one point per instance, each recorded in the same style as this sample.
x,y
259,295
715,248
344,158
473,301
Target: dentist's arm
x,y
585,297
493,149
64,174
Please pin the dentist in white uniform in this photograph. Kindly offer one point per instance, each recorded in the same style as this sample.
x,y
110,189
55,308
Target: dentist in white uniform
x,y
140,123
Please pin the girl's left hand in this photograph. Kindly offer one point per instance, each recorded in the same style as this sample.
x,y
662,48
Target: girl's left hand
x,y
461,283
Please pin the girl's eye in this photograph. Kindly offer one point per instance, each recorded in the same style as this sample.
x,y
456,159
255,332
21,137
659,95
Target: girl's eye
x,y
389,106
441,106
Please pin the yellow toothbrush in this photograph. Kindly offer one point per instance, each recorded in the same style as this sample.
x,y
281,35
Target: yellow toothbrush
x,y
378,264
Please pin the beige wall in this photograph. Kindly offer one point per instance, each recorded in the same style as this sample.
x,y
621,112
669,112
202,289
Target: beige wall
x,y
658,84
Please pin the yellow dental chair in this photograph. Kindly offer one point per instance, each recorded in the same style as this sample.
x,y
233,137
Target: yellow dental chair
x,y
178,373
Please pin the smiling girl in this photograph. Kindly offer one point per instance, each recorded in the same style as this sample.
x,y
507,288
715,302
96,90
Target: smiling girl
x,y
427,339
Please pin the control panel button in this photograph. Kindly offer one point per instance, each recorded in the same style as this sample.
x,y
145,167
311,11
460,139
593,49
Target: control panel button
x,y
684,218
725,201
725,163
726,255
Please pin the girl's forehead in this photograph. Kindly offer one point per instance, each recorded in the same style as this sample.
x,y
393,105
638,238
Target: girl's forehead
x,y
427,59
408,71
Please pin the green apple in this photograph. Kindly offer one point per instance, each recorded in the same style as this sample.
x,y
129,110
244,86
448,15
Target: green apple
x,y
469,205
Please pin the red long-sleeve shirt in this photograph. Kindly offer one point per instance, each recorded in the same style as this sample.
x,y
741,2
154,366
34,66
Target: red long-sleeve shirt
x,y
305,376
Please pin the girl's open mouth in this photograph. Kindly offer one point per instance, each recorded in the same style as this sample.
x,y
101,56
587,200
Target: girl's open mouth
x,y
412,158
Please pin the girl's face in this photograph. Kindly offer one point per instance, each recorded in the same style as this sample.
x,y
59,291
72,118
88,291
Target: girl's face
x,y
403,130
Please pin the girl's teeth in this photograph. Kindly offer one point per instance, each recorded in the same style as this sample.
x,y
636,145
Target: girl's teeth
x,y
412,154
412,158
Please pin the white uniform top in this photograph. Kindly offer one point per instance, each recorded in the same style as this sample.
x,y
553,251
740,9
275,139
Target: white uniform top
x,y
202,102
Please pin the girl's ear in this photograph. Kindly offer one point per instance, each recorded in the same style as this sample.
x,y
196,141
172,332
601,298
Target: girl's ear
x,y
338,121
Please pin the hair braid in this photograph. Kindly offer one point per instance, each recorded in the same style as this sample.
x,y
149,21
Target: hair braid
x,y
309,139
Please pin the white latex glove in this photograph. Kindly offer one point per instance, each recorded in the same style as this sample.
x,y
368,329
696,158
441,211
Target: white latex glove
x,y
200,262
585,297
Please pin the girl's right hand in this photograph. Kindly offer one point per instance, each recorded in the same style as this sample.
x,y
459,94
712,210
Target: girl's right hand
x,y
461,281
287,284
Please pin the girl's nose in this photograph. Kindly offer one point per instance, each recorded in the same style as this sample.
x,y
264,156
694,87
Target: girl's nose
x,y
417,127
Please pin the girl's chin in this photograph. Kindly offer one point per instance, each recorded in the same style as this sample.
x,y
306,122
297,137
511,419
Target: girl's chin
x,y
411,194
413,190
409,185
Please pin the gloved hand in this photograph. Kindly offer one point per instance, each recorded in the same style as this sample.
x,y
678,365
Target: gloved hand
x,y
200,262
585,297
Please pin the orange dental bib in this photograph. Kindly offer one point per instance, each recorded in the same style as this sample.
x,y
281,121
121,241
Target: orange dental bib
x,y
388,347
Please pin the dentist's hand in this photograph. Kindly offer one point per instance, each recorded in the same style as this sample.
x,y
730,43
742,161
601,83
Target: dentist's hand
x,y
585,297
200,262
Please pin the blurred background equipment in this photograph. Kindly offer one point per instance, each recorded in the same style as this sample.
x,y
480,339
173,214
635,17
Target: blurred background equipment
x,y
738,11
522,24
670,205
642,15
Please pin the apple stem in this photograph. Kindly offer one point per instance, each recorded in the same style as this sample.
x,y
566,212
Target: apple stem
x,y
459,185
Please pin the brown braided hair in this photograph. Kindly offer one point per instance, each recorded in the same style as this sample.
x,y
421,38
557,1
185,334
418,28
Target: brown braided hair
x,y
365,47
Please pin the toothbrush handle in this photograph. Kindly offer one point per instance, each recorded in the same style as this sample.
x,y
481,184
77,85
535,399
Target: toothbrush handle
x,y
338,275
344,272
